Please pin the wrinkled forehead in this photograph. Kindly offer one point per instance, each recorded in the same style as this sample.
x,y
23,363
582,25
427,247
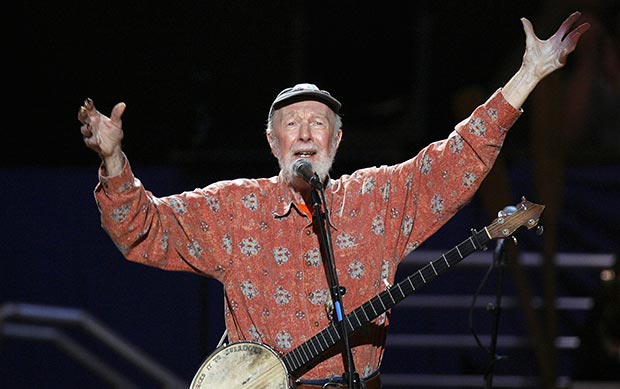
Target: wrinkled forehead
x,y
306,108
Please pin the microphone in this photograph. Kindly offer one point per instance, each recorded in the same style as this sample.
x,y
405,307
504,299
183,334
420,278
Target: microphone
x,y
303,168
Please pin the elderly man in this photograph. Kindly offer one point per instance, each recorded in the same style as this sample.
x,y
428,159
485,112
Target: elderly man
x,y
258,237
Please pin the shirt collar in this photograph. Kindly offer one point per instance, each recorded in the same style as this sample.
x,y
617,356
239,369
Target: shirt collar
x,y
288,198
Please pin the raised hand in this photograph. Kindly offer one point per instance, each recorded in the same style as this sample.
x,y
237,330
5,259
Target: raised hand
x,y
101,133
546,56
542,57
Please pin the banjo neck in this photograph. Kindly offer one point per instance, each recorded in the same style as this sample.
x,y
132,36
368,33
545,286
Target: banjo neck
x,y
304,357
301,359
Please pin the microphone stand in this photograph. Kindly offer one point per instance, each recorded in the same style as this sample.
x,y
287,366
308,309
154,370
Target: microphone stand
x,y
499,258
322,221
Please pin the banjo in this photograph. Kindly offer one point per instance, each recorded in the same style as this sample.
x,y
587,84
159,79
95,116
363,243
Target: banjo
x,y
247,364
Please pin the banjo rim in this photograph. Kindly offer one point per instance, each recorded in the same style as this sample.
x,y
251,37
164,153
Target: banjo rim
x,y
280,376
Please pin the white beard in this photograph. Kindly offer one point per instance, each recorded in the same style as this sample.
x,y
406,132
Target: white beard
x,y
321,167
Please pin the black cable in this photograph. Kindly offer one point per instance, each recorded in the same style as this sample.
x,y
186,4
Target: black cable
x,y
473,304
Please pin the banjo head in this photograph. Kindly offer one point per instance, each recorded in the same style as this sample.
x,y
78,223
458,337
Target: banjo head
x,y
242,364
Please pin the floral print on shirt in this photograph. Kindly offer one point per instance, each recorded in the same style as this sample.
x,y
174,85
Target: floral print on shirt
x,y
249,234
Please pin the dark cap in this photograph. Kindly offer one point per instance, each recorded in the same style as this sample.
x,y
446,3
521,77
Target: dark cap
x,y
303,92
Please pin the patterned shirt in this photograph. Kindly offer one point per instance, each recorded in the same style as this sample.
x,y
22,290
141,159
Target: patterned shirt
x,y
250,235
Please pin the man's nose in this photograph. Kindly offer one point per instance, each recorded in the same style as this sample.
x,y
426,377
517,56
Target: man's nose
x,y
305,133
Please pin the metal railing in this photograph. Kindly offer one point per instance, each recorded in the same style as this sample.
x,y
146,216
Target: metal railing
x,y
44,323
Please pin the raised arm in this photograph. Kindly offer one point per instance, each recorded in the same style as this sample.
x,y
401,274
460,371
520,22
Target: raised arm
x,y
104,135
542,58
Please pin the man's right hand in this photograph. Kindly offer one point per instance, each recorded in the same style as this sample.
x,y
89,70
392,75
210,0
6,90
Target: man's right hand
x,y
103,134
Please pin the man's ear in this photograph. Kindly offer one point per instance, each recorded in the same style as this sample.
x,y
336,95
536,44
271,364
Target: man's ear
x,y
270,140
269,137
339,138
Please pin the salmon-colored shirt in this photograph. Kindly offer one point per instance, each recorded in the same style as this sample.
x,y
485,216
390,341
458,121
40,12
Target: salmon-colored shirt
x,y
251,236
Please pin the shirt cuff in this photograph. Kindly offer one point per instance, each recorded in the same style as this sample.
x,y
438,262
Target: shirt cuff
x,y
116,183
507,114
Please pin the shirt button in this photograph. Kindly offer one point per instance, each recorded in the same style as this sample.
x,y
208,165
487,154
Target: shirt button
x,y
316,323
308,232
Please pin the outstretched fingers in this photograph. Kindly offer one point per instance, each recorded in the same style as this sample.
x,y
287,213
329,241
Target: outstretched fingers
x,y
570,42
566,25
570,39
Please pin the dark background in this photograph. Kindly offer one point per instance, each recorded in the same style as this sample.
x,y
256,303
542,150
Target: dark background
x,y
201,76
198,78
